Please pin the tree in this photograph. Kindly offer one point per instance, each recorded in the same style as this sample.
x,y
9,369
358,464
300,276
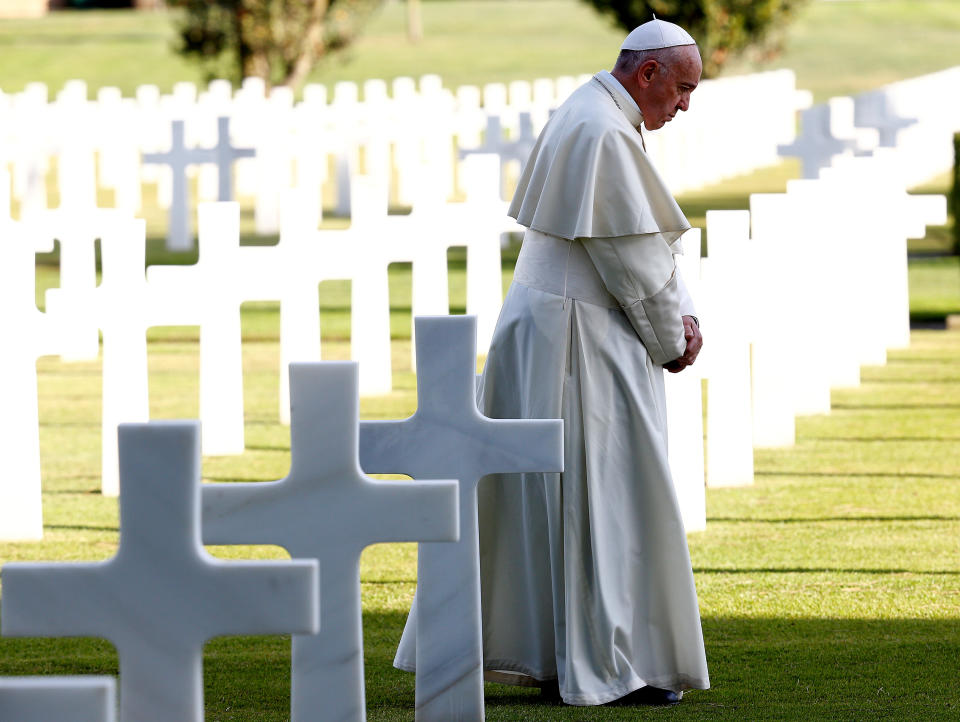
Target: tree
x,y
277,40
723,29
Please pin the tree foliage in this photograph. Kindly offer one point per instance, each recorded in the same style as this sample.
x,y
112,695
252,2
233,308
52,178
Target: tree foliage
x,y
277,40
723,29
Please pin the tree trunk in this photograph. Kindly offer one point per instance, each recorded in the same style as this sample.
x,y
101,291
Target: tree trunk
x,y
311,46
414,21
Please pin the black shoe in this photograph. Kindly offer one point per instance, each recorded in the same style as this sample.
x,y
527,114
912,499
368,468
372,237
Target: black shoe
x,y
649,696
550,691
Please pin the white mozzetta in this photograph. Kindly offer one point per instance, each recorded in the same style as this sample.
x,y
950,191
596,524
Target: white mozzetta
x,y
326,509
162,596
58,699
448,437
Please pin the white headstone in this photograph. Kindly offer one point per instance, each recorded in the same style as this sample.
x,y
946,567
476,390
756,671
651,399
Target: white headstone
x,y
179,157
449,437
685,410
21,516
208,294
162,596
728,279
58,699
122,310
326,509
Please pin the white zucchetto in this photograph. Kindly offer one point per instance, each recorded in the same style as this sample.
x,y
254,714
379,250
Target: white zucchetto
x,y
657,34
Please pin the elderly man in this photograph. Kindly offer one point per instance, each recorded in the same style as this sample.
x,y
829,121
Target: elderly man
x,y
587,586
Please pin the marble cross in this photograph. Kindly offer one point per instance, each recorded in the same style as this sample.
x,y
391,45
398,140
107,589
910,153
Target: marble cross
x,y
774,370
72,303
178,158
122,313
224,155
448,437
208,294
684,403
727,279
21,324
480,222
162,596
508,150
327,509
816,146
58,699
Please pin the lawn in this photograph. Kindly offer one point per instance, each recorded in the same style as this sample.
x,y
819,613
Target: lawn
x,y
829,589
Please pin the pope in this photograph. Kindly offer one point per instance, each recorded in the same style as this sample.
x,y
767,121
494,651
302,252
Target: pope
x,y
586,582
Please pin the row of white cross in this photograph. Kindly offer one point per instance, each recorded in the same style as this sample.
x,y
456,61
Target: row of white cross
x,y
209,295
407,140
917,116
162,596
782,292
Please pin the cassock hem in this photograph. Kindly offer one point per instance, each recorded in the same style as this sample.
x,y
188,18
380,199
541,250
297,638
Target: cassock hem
x,y
514,673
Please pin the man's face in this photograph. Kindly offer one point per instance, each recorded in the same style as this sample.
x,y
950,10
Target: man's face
x,y
666,91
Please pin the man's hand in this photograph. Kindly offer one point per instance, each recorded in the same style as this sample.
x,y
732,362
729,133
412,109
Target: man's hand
x,y
691,332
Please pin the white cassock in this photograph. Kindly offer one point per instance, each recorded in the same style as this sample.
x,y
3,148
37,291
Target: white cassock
x,y
585,575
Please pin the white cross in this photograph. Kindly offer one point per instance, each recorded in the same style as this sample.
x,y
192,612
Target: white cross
x,y
162,596
327,509
72,303
122,313
728,281
21,516
684,403
508,150
448,437
208,294
816,146
58,699
224,155
872,110
178,158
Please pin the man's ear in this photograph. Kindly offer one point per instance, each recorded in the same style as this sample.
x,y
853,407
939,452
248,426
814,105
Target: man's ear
x,y
647,72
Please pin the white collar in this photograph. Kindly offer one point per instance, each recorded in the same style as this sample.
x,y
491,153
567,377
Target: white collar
x,y
609,77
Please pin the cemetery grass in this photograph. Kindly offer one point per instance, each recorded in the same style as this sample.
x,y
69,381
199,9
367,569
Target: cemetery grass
x,y
829,589
835,48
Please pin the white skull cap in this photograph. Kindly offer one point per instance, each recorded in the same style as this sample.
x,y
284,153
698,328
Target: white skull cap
x,y
657,34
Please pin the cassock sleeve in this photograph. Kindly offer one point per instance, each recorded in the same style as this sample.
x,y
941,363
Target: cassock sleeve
x,y
640,272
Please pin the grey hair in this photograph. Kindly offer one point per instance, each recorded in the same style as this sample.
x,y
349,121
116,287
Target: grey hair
x,y
630,60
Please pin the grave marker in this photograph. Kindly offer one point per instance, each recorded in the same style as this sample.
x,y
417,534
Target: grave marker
x,y
728,281
58,699
162,596
179,157
684,400
449,437
327,509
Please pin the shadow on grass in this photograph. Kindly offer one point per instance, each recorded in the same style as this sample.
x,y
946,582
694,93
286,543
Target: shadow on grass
x,y
761,668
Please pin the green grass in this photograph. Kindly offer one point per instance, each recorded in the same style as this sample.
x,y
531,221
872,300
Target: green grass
x,y
836,48
830,589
